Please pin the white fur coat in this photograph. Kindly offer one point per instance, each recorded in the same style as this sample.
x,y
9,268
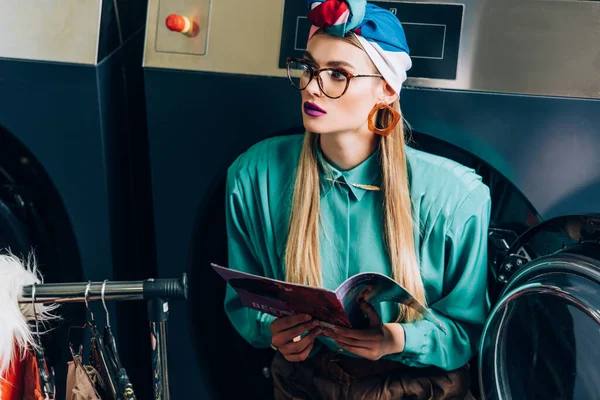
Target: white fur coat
x,y
17,321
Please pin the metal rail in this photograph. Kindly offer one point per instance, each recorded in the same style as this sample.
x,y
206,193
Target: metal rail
x,y
166,289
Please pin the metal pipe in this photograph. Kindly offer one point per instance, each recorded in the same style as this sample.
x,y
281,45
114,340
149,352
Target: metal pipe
x,y
160,371
158,315
162,346
75,292
122,290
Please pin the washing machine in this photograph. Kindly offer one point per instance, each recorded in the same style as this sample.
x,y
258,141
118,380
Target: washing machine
x,y
507,87
73,158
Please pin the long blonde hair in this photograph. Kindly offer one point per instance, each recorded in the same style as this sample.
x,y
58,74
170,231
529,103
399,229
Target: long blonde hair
x,y
302,258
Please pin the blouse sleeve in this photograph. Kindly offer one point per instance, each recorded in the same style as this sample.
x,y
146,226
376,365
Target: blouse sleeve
x,y
252,325
464,306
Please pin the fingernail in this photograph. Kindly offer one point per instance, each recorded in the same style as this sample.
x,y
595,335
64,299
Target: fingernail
x,y
307,317
315,322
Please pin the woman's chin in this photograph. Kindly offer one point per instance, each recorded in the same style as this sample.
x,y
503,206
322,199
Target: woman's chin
x,y
314,126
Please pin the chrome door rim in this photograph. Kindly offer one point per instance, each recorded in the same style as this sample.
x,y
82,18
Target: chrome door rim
x,y
571,277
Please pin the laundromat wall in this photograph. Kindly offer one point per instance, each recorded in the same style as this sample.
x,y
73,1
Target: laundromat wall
x,y
512,85
73,145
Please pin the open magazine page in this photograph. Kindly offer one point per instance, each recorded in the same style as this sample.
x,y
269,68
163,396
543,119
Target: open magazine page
x,y
375,288
361,286
282,298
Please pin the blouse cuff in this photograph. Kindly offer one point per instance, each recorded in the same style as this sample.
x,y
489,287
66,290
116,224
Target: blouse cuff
x,y
265,321
416,337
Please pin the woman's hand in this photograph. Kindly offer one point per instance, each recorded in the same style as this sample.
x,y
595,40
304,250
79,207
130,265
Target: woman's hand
x,y
373,343
286,333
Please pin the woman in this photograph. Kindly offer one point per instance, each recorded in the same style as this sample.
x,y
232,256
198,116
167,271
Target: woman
x,y
349,196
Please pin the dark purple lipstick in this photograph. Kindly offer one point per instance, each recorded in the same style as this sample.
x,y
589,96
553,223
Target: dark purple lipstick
x,y
313,110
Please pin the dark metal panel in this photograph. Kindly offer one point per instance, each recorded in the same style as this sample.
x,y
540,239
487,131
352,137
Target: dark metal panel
x,y
53,110
127,15
548,147
124,139
132,15
108,39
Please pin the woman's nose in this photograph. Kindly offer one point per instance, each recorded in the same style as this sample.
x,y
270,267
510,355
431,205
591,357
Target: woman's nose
x,y
313,87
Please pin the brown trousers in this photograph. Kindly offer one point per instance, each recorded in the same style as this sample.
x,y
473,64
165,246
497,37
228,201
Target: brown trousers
x,y
327,375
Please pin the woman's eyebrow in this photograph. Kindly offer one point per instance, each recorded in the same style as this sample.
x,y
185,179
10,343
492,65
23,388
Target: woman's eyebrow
x,y
339,63
309,56
330,63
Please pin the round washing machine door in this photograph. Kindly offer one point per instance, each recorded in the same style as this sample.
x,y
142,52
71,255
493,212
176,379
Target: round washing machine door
x,y
13,233
17,222
542,339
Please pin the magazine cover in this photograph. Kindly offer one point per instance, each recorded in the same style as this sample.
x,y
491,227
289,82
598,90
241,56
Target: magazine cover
x,y
339,307
283,298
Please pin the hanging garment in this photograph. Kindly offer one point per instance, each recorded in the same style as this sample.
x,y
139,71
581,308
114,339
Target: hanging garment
x,y
21,382
11,384
104,374
82,382
19,346
105,358
32,385
124,386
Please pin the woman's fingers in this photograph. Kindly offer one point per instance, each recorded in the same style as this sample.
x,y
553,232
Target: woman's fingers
x,y
288,335
298,351
360,334
299,330
285,323
300,356
299,346
350,341
374,318
369,354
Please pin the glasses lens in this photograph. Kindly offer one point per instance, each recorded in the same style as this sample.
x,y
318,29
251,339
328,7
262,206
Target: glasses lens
x,y
333,82
299,74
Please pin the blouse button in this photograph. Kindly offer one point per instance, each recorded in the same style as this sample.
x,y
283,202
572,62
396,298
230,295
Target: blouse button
x,y
340,351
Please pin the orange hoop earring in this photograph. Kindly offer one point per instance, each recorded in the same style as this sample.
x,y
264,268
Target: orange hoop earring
x,y
388,129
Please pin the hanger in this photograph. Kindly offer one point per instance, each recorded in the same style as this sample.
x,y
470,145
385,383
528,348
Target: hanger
x,y
46,377
99,356
103,355
78,356
108,336
125,388
87,323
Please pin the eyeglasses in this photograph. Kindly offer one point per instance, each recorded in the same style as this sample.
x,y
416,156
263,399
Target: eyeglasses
x,y
332,82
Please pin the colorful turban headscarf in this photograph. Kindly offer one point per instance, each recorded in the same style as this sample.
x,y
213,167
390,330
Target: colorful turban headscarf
x,y
378,30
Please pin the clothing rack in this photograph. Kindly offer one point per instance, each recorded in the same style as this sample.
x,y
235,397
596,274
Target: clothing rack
x,y
157,292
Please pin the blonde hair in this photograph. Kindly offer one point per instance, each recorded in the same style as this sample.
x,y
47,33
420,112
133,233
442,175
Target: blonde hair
x,y
302,258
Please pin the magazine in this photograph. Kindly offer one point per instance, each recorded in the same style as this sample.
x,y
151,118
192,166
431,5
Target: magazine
x,y
338,307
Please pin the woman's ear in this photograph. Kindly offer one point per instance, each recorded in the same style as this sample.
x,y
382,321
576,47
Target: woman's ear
x,y
387,95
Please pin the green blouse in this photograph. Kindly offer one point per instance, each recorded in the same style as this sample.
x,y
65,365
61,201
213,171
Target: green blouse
x,y
449,200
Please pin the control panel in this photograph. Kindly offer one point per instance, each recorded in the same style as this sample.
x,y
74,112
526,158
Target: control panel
x,y
495,45
432,31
